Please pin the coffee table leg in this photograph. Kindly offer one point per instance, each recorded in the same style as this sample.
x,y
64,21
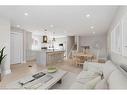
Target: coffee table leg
x,y
60,81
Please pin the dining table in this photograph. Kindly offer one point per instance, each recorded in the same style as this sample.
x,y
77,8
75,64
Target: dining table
x,y
85,55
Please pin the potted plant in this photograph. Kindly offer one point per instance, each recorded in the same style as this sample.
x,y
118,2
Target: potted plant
x,y
2,56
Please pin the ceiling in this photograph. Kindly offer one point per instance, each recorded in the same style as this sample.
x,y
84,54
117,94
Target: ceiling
x,y
62,20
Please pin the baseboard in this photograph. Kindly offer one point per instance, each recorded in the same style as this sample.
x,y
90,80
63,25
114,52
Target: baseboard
x,y
7,72
24,61
31,60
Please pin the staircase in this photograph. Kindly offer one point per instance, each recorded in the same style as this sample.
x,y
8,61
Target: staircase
x,y
74,48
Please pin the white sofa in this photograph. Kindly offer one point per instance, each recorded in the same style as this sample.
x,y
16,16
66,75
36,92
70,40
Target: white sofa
x,y
100,76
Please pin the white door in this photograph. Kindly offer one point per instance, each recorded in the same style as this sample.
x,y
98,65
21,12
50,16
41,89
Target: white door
x,y
16,48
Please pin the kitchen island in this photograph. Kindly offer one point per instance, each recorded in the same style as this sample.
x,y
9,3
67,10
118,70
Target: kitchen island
x,y
49,56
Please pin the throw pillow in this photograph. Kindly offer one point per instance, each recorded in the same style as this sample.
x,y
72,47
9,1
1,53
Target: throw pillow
x,y
92,66
92,83
86,76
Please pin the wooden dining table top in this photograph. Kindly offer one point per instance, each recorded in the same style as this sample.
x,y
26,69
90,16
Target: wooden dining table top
x,y
85,55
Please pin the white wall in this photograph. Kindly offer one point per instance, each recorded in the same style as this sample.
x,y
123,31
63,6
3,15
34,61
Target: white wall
x,y
113,56
70,43
59,40
92,41
63,40
5,41
37,42
36,45
27,42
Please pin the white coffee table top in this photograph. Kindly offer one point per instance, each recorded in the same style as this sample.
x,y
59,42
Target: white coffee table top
x,y
38,83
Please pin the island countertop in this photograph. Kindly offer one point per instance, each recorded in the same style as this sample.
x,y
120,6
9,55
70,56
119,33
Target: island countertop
x,y
44,56
49,50
56,50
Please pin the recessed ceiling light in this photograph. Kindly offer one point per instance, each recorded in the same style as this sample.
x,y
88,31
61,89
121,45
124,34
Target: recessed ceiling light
x,y
45,29
92,27
93,32
87,15
26,14
18,25
51,26
53,32
65,31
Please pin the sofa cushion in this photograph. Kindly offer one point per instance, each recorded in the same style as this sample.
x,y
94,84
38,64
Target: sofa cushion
x,y
92,66
102,84
117,80
88,85
86,76
77,85
92,83
108,68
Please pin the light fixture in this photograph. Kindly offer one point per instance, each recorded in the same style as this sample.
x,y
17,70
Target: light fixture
x,y
53,38
51,26
26,14
92,27
87,15
93,32
18,26
45,30
65,31
45,38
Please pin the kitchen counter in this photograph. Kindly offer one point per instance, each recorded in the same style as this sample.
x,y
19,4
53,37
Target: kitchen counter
x,y
48,50
49,56
55,50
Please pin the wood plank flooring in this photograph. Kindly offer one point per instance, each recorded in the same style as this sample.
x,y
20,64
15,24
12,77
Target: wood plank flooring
x,y
24,69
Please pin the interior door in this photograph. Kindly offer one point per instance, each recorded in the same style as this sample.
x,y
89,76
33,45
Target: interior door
x,y
16,48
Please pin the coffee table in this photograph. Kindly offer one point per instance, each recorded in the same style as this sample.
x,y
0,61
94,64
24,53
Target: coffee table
x,y
39,83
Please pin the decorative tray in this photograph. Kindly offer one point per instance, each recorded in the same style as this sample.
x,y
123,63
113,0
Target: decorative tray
x,y
52,70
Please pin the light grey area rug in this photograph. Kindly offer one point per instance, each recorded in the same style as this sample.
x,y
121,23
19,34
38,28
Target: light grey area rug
x,y
67,81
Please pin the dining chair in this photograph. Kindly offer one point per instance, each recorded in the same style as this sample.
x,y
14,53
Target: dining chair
x,y
79,60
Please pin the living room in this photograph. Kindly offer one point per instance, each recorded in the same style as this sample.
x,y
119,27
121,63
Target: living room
x,y
84,47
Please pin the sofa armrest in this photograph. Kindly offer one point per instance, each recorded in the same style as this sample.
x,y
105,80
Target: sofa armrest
x,y
92,66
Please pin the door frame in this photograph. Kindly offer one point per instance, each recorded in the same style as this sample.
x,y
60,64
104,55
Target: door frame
x,y
21,54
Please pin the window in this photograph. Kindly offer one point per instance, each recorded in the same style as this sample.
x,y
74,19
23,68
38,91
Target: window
x,y
116,39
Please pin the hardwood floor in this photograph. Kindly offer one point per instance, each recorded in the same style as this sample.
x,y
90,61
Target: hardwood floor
x,y
24,69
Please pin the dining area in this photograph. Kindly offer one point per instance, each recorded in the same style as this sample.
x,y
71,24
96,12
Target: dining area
x,y
80,57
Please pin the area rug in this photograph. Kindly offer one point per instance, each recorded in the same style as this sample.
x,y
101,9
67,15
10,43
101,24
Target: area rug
x,y
67,81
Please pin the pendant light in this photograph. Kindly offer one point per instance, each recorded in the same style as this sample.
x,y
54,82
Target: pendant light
x,y
45,38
